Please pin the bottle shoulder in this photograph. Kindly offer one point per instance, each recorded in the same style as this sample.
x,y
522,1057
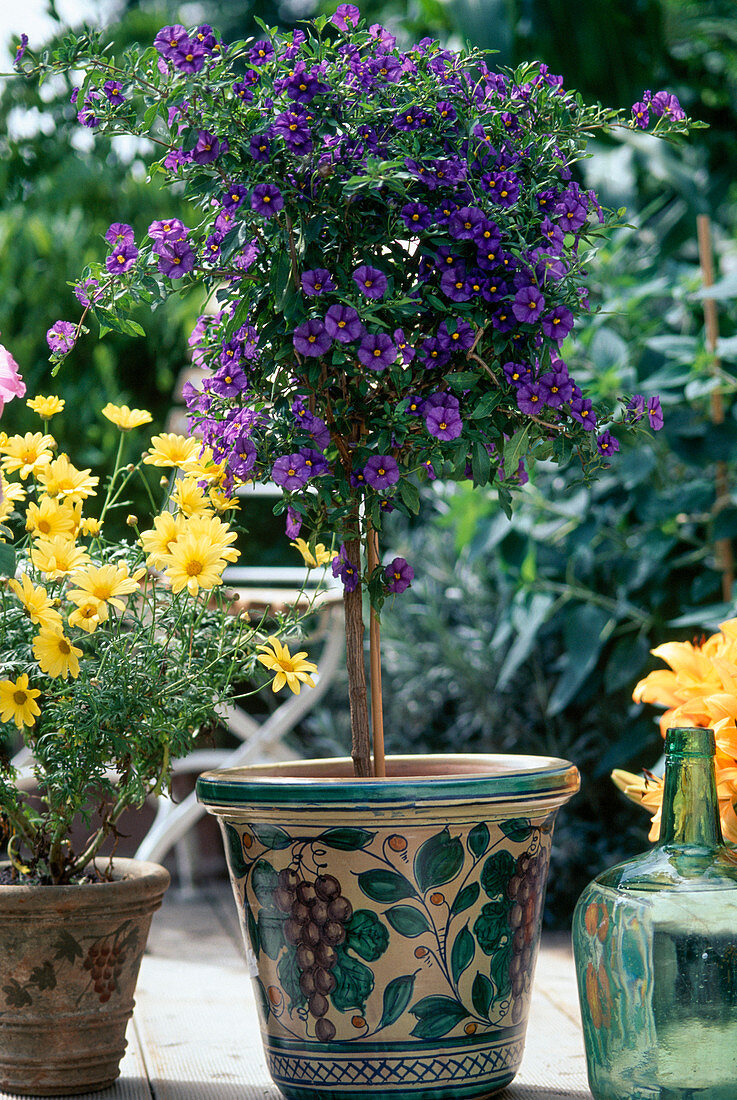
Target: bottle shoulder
x,y
679,868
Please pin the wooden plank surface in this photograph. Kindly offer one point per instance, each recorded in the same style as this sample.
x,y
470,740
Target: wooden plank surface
x,y
195,1035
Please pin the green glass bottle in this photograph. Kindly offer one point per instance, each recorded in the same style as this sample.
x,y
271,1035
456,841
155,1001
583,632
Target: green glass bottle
x,y
655,943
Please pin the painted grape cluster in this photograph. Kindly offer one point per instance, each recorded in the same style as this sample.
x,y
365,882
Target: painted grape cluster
x,y
526,891
105,960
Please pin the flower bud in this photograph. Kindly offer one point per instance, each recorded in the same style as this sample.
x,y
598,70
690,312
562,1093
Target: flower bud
x,y
132,520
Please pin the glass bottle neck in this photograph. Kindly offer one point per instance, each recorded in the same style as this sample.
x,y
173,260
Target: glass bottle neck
x,y
690,814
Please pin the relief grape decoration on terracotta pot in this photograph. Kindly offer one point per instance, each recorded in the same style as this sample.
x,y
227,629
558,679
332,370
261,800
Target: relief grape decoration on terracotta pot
x,y
456,902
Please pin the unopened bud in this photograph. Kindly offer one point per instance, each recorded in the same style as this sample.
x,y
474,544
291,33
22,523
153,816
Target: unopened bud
x,y
132,520
163,482
130,467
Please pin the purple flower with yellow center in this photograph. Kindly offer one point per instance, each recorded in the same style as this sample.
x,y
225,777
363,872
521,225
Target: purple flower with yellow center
x,y
113,91
228,381
311,338
606,444
293,127
416,215
290,472
302,86
504,320
169,229
176,259
531,397
654,413
266,200
344,568
434,352
490,255
517,373
317,281
414,405
582,410
168,39
454,286
408,119
381,472
315,461
406,353
641,114
261,52
119,232
242,91
61,337
443,421
553,235
558,323
234,197
293,522
665,103
224,221
446,111
122,257
571,213
399,575
189,56
462,338
528,305
260,147
558,387
386,68
213,246
207,148
343,324
377,351
242,457
370,281
20,50
465,221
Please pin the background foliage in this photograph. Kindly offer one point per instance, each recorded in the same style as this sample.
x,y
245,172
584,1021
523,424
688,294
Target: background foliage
x,y
527,635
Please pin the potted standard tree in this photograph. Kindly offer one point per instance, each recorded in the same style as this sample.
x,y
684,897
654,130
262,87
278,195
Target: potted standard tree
x,y
395,246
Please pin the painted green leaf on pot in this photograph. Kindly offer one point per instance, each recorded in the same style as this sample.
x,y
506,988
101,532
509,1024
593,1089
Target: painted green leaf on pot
x,y
234,851
397,996
271,836
499,970
517,828
43,976
67,947
465,898
15,995
288,974
263,1000
436,1016
271,932
264,882
496,873
492,928
366,935
346,840
438,860
354,983
253,935
407,920
478,839
462,952
383,885
482,992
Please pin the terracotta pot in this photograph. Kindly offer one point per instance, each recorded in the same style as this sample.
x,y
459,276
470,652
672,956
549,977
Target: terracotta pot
x,y
391,925
69,961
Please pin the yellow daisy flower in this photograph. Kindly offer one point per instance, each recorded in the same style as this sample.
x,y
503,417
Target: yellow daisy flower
x,y
58,556
91,527
36,601
88,614
190,498
105,583
321,556
193,563
29,453
221,501
49,518
290,670
55,654
46,407
61,478
203,467
170,449
158,542
218,534
10,493
124,418
18,702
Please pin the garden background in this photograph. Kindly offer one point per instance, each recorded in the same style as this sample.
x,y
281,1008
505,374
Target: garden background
x,y
525,635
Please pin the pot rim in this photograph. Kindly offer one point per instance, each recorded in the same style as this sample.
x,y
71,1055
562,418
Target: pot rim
x,y
466,776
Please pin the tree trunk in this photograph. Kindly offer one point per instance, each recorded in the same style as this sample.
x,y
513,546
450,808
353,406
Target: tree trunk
x,y
357,694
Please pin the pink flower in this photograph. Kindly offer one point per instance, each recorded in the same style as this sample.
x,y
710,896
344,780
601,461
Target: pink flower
x,y
11,383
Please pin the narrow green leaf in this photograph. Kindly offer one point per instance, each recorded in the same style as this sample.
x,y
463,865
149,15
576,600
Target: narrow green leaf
x,y
436,1016
438,860
7,561
478,839
397,996
462,952
517,829
346,840
271,836
482,992
407,920
385,886
467,897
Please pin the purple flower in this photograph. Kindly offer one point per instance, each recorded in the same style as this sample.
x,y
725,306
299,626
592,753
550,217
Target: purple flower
x,y
228,381
112,89
530,397
118,232
20,50
381,471
207,148
234,197
316,462
558,323
261,52
290,472
317,281
443,421
84,292
553,235
606,444
266,200
465,221
571,213
582,410
311,338
260,147
370,281
343,324
655,413
377,351
557,385
342,567
302,86
189,56
434,352
294,522
528,305
665,103
641,114
242,91
416,215
292,126
346,17
454,285
176,258
171,229
122,257
399,575
459,340
406,353
517,373
446,111
168,39
408,119
61,336
635,409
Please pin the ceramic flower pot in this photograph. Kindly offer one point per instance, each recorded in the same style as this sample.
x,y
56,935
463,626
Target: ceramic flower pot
x,y
391,925
69,961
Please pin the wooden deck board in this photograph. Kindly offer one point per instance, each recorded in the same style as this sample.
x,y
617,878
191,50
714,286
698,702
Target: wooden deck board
x,y
195,1036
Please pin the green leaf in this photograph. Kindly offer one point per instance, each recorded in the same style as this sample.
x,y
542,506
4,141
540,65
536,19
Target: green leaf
x,y
263,1000
354,983
410,495
465,899
462,952
478,839
271,836
383,885
288,974
517,829
7,561
515,450
438,860
271,932
436,1016
397,996
234,851
346,840
499,970
586,629
66,947
252,929
407,920
366,935
482,992
492,927
264,881
279,279
480,464
499,867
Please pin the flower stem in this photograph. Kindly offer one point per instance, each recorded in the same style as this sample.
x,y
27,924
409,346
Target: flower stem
x,y
377,713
